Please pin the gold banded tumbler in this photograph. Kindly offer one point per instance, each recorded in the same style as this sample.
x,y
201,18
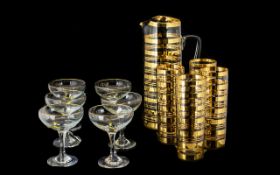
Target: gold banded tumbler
x,y
191,96
206,67
215,135
166,93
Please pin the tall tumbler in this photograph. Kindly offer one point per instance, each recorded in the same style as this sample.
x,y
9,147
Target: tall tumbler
x,y
206,67
166,93
215,135
191,111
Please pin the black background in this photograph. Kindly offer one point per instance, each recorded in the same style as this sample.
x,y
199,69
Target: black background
x,y
92,42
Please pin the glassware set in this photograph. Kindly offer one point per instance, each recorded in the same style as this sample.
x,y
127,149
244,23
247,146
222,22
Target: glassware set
x,y
116,111
187,109
192,107
64,110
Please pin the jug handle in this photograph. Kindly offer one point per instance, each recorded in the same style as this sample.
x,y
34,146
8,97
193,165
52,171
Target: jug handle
x,y
198,44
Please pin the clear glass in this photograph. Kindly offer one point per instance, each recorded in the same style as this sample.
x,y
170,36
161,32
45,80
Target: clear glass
x,y
71,140
60,122
112,89
72,105
70,88
111,118
68,91
133,100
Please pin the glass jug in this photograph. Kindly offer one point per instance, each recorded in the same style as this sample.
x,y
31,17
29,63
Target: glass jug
x,y
163,43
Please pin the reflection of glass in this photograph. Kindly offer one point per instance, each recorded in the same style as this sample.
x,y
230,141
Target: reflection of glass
x,y
111,118
71,106
133,100
112,89
60,122
70,92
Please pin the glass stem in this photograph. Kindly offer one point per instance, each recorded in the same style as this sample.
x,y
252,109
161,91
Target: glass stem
x,y
113,153
122,138
62,137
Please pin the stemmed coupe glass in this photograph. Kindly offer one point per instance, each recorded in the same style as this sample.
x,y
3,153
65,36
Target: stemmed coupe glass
x,y
111,118
57,117
68,91
71,105
112,89
133,100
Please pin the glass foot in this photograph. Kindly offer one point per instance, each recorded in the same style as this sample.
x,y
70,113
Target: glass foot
x,y
124,144
107,162
68,161
70,141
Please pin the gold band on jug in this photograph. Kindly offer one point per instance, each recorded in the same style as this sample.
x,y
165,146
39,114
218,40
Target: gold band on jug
x,y
164,21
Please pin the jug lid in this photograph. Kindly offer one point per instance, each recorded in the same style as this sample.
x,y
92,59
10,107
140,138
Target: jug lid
x,y
164,21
